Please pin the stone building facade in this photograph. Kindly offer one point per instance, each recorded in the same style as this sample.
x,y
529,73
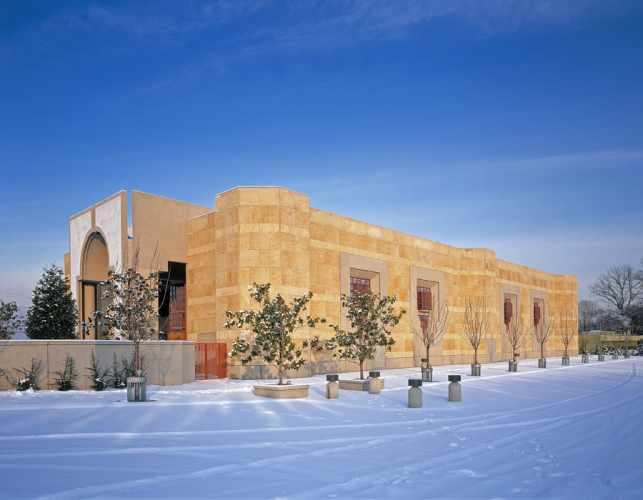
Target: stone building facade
x,y
272,234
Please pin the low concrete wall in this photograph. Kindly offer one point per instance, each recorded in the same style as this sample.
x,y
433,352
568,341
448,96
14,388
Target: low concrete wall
x,y
166,362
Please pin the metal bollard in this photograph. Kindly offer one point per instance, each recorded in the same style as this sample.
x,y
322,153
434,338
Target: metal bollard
x,y
415,393
455,388
332,386
375,383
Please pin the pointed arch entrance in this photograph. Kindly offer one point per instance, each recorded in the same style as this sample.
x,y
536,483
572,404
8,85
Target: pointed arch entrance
x,y
94,269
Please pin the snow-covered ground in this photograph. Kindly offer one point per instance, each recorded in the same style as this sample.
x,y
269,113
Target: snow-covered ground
x,y
564,432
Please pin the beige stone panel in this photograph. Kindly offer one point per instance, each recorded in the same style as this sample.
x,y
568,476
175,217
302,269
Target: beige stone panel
x,y
160,227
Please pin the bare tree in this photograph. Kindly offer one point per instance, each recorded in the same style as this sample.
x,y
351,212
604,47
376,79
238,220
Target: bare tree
x,y
475,326
542,333
567,333
588,315
514,333
621,287
432,330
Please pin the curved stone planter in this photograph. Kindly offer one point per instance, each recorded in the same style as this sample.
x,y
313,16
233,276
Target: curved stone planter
x,y
289,391
355,385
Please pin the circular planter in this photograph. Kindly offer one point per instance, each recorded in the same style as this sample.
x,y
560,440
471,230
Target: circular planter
x,y
287,391
542,363
513,366
136,389
427,374
565,361
475,370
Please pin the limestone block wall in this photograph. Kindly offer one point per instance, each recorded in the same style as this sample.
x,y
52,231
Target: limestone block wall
x,y
273,235
166,363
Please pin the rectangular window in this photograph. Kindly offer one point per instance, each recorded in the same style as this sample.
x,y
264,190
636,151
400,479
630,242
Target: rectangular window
x,y
360,285
177,307
538,313
424,298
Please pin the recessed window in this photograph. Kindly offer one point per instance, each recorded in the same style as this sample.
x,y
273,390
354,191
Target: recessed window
x,y
537,313
424,299
360,285
177,307
509,310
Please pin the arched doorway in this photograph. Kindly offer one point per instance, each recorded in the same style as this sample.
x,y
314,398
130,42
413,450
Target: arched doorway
x,y
95,265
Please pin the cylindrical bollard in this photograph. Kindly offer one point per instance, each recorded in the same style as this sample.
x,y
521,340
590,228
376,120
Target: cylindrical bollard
x,y
565,361
415,393
375,383
332,386
455,388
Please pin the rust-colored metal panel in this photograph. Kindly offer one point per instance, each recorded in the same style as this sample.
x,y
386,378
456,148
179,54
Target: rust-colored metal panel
x,y
211,360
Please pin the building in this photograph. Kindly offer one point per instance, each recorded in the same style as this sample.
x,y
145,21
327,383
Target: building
x,y
208,257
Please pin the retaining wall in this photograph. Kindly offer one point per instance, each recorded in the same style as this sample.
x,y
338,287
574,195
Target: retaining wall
x,y
166,362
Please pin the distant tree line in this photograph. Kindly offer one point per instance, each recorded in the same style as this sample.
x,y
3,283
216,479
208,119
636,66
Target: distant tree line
x,y
617,302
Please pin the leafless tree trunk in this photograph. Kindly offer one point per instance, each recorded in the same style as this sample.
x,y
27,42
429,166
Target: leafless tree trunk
x,y
513,333
588,313
542,333
567,332
475,323
432,332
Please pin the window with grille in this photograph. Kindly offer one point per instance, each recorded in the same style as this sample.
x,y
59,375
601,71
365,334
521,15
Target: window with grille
x,y
424,298
360,285
177,307
509,310
537,314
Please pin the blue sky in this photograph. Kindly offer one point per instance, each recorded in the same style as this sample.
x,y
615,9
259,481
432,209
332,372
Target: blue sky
x,y
513,125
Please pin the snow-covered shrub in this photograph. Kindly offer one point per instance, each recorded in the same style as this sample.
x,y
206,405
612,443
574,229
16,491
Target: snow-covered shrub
x,y
118,377
66,378
27,378
99,377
